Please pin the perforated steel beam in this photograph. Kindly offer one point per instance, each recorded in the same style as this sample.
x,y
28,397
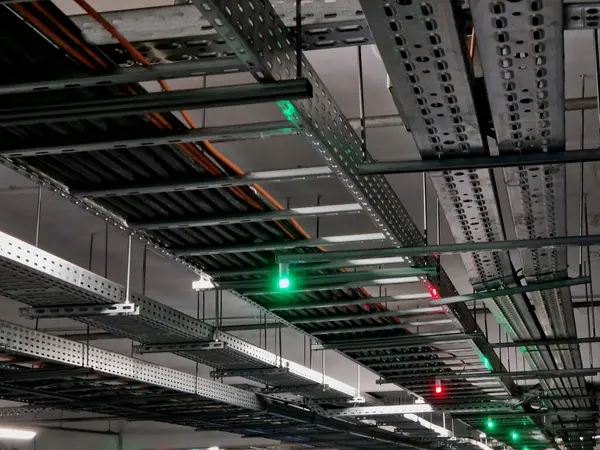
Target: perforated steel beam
x,y
157,102
30,343
203,221
50,312
38,278
521,47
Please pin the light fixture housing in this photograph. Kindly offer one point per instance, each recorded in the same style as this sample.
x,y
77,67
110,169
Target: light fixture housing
x,y
17,434
204,283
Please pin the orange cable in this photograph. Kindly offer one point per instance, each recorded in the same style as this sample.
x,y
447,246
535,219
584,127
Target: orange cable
x,y
65,30
157,119
34,20
164,85
472,46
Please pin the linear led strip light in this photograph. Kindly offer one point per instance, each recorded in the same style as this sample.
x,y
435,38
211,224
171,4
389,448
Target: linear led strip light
x,y
17,434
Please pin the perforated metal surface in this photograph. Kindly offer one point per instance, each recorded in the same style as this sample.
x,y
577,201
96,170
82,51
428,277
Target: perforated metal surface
x,y
180,33
154,322
32,343
525,81
582,15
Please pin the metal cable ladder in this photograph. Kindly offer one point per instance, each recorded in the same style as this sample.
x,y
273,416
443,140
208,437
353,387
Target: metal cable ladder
x,y
397,225
526,95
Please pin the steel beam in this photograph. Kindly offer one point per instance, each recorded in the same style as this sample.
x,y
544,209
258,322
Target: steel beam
x,y
60,311
365,411
274,246
480,162
376,328
30,343
44,374
266,177
179,347
249,373
213,134
444,249
354,302
411,340
341,277
331,281
414,312
304,268
129,75
533,287
467,375
203,221
212,97
546,342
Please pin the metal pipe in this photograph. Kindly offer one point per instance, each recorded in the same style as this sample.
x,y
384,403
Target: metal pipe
x,y
425,208
528,374
479,162
591,284
128,282
245,94
546,342
581,170
38,216
597,68
361,105
432,250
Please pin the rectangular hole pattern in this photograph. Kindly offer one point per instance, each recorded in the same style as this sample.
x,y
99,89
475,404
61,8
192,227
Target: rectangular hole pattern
x,y
319,119
525,82
28,342
426,64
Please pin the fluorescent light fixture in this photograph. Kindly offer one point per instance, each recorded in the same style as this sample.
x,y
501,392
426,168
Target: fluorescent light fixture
x,y
13,433
213,448
354,238
404,280
205,282
377,261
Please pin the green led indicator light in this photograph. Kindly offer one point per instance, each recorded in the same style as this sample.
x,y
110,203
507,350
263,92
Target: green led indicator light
x,y
486,363
284,283
490,424
514,435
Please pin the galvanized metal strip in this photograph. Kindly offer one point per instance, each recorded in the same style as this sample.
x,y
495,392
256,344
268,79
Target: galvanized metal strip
x,y
24,341
525,81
